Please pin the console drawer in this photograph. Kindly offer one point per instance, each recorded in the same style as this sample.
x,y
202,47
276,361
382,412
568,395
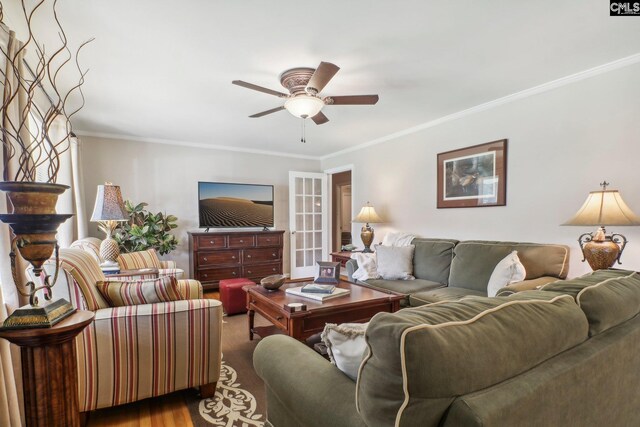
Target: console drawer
x,y
212,242
215,274
271,313
218,257
268,240
243,241
261,270
260,255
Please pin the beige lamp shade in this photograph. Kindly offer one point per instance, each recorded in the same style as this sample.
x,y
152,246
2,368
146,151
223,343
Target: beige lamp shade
x,y
109,205
603,208
367,215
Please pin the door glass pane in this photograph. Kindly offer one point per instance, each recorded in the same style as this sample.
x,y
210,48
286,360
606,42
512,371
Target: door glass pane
x,y
298,185
299,258
307,185
317,186
309,240
317,204
318,255
308,258
308,204
299,222
317,220
299,200
308,222
318,239
299,240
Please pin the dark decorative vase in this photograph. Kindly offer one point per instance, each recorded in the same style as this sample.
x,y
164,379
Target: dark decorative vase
x,y
34,222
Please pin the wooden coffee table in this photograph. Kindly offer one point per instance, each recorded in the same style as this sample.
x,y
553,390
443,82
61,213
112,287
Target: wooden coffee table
x,y
359,306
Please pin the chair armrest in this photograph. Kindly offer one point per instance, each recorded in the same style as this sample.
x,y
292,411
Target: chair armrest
x,y
351,266
526,285
135,352
168,264
176,272
290,371
190,289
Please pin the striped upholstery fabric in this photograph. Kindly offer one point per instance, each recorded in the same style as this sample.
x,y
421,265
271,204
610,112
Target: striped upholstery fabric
x,y
174,272
168,264
91,245
190,289
86,273
135,352
141,259
119,293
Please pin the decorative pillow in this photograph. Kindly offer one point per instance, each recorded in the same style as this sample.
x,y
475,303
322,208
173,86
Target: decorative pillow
x,y
395,262
508,271
138,260
118,293
367,266
345,346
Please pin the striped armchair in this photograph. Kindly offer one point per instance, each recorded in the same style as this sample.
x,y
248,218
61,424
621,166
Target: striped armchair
x,y
135,352
134,260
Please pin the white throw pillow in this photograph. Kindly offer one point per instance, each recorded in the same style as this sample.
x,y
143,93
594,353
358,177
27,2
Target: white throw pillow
x,y
367,266
395,262
508,271
345,346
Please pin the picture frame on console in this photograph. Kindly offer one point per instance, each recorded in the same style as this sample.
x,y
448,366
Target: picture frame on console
x,y
327,272
474,176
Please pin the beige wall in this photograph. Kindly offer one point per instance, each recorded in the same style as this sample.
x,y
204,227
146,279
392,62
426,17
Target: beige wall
x,y
562,143
166,177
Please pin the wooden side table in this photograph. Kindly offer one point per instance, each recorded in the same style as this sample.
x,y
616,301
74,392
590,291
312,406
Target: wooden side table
x,y
49,371
341,257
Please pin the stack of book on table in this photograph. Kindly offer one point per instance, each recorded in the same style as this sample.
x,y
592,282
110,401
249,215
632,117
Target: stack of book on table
x,y
317,291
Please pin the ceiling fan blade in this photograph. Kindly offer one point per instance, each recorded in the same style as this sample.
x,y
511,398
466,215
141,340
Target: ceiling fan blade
x,y
320,118
264,113
321,76
259,88
352,100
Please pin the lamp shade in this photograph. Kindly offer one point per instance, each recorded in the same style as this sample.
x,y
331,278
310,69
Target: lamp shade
x,y
109,205
304,106
604,208
368,215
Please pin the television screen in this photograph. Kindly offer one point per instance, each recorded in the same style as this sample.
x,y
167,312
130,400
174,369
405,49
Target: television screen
x,y
222,204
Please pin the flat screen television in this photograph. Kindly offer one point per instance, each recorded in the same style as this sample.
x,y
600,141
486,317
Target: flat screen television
x,y
228,205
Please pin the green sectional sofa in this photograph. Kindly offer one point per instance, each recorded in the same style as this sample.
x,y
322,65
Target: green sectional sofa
x,y
447,269
565,355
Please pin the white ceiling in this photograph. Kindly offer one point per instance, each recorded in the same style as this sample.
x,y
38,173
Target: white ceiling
x,y
162,70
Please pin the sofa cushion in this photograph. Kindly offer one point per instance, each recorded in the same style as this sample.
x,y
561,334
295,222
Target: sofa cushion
x,y
395,262
607,297
124,293
345,346
442,294
420,359
507,272
432,259
404,287
474,261
138,260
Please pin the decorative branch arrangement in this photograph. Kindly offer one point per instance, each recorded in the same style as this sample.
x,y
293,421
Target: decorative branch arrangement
x,y
29,147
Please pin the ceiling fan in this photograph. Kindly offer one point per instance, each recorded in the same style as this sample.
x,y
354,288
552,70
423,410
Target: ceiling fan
x,y
304,84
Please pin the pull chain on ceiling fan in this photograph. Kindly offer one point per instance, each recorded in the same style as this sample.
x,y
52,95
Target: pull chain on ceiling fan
x,y
304,85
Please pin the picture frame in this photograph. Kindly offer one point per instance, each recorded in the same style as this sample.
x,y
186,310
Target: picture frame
x,y
327,272
474,176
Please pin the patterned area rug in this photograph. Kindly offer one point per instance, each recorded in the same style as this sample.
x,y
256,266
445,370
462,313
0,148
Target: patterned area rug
x,y
239,400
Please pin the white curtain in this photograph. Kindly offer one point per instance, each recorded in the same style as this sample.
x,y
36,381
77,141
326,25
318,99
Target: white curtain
x,y
10,406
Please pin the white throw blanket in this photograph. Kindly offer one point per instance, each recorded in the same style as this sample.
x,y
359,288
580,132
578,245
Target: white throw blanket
x,y
367,263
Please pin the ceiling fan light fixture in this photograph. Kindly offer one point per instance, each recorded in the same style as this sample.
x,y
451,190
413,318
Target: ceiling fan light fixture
x,y
304,106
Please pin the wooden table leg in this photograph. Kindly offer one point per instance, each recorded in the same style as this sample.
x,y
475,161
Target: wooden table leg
x,y
251,314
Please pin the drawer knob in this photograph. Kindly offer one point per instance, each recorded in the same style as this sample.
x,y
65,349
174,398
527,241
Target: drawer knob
x,y
233,257
234,273
211,242
273,269
268,240
279,318
273,254
241,241
205,275
248,256
205,258
249,271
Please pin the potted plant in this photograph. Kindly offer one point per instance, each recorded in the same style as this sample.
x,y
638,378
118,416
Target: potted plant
x,y
146,230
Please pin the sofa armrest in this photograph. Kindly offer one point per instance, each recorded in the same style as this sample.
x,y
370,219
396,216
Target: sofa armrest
x,y
176,272
304,389
351,266
135,352
168,264
526,285
190,289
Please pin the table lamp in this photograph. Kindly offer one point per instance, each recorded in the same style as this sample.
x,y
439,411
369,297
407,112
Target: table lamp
x,y
603,208
367,216
108,211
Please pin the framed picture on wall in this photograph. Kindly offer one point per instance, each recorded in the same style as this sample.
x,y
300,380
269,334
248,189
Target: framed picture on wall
x,y
473,176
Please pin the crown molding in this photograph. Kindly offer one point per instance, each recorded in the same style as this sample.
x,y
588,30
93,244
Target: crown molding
x,y
192,144
545,87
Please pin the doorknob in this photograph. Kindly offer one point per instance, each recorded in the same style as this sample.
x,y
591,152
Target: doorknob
x,y
293,232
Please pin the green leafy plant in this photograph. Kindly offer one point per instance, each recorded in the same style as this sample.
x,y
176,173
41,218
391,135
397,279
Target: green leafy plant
x,y
146,230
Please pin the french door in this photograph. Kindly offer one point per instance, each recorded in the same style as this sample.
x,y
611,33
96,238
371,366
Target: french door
x,y
308,222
